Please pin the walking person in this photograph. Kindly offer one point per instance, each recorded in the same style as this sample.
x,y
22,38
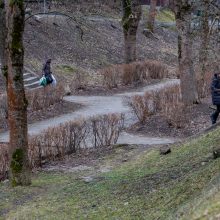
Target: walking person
x,y
47,71
215,90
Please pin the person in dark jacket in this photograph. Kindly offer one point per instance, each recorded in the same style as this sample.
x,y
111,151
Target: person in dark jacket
x,y
47,71
215,90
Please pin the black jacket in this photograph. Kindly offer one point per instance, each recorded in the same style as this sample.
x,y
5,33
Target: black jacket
x,y
46,69
215,94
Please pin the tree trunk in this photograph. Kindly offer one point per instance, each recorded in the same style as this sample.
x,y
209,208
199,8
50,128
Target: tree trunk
x,y
131,18
188,82
17,103
2,42
203,58
152,15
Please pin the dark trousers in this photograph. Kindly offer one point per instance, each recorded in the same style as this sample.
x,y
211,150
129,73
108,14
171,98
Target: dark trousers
x,y
215,114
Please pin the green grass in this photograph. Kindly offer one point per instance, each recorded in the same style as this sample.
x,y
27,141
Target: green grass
x,y
66,69
165,16
162,15
184,184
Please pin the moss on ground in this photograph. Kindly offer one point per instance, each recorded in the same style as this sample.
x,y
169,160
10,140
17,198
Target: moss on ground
x,y
182,185
66,69
164,15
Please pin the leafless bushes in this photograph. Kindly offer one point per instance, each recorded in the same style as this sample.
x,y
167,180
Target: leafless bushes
x,y
57,142
37,99
106,129
126,74
4,161
203,84
142,106
172,107
166,101
73,136
43,98
3,111
68,138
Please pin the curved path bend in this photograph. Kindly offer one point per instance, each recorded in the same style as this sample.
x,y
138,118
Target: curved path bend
x,y
100,105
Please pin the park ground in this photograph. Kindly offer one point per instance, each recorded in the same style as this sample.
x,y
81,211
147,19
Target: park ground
x,y
123,182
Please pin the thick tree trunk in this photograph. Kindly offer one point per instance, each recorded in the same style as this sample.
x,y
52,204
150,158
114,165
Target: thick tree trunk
x,y
131,18
203,58
17,103
2,42
152,15
188,82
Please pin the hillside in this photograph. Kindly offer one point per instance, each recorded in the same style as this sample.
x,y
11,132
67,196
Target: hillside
x,y
123,182
101,43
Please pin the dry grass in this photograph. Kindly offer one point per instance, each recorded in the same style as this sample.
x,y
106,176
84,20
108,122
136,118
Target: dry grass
x,y
137,72
3,111
37,99
203,84
166,101
43,98
3,161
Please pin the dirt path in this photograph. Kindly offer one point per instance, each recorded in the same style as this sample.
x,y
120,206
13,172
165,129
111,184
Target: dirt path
x,y
100,105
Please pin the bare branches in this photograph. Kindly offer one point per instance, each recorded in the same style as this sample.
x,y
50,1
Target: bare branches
x,y
72,18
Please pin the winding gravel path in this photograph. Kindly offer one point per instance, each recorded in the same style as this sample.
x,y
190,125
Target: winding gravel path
x,y
100,105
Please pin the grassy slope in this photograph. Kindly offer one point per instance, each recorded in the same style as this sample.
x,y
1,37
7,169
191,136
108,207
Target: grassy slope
x,y
185,184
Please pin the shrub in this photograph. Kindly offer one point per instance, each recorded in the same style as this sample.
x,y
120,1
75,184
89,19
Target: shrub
x,y
112,76
172,106
3,111
4,161
204,84
126,74
166,101
37,99
57,141
106,129
142,106
43,98
72,136
156,69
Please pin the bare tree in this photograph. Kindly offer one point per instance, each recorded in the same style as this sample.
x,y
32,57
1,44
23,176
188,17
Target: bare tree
x,y
152,15
17,103
131,18
2,40
204,35
183,13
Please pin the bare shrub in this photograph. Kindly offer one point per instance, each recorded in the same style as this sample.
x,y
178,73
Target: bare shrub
x,y
112,76
156,69
57,141
80,80
43,98
4,161
166,101
138,107
68,138
78,132
146,105
3,111
172,106
106,129
203,84
126,74
73,136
